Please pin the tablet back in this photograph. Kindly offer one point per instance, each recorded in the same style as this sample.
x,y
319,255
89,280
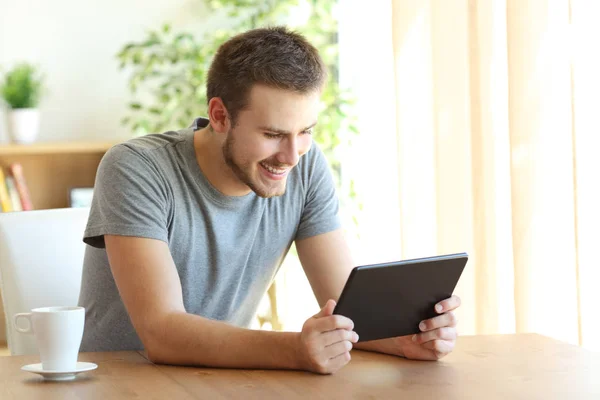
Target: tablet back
x,y
391,299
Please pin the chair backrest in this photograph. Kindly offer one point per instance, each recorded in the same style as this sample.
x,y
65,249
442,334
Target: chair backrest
x,y
41,259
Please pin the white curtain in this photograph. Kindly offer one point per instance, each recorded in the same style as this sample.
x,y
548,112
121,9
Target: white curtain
x,y
478,134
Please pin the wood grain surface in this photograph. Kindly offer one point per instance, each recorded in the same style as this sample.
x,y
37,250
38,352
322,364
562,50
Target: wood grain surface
x,y
526,366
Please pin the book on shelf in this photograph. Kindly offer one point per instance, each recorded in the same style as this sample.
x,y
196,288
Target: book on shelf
x,y
14,194
5,202
15,199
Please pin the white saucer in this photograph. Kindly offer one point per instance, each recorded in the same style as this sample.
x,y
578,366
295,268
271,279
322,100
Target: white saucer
x,y
60,375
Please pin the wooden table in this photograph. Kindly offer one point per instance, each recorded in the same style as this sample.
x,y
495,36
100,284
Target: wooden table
x,y
481,367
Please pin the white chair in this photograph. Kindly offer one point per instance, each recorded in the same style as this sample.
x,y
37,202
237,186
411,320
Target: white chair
x,y
41,258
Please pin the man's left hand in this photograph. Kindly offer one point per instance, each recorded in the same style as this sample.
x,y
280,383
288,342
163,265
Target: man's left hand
x,y
438,335
436,340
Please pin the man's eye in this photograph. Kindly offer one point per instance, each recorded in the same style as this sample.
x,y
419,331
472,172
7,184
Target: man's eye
x,y
308,132
271,135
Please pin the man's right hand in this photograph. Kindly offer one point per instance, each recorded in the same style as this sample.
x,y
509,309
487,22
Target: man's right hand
x,y
326,341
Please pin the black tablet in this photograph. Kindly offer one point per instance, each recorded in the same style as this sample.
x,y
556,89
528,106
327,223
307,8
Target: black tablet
x,y
391,299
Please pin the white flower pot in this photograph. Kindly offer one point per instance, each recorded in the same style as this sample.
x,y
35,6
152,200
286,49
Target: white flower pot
x,y
23,124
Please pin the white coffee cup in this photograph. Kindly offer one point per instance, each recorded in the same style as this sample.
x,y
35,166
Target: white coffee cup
x,y
58,332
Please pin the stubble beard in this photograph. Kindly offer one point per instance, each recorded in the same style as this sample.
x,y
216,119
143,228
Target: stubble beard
x,y
241,173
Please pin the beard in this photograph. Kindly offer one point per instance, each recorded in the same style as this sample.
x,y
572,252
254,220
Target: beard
x,y
242,172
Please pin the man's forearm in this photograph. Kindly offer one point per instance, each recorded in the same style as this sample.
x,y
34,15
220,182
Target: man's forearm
x,y
186,339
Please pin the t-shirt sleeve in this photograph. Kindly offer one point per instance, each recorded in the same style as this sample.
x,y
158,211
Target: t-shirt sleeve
x,y
321,206
130,198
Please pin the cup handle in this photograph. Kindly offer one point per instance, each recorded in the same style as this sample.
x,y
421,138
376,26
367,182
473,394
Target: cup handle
x,y
27,316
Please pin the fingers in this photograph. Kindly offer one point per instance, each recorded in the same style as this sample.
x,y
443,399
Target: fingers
x,y
339,335
327,352
449,304
333,322
333,343
326,310
446,333
338,362
440,347
324,321
439,334
446,319
326,341
337,349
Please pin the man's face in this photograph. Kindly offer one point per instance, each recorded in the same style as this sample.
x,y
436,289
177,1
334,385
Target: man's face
x,y
269,138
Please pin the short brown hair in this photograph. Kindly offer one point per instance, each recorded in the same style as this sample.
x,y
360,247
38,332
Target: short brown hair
x,y
276,57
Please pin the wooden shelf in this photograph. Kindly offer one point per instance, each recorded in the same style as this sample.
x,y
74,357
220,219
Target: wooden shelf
x,y
55,148
51,169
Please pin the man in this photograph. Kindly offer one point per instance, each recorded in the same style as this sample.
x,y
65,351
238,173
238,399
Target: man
x,y
187,229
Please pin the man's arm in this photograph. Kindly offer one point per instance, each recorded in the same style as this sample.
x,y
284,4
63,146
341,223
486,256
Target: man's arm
x,y
327,262
149,286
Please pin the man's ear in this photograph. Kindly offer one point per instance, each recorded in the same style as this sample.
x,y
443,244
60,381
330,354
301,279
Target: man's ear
x,y
218,115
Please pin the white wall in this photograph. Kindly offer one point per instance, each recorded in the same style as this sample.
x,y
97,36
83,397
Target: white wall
x,y
75,43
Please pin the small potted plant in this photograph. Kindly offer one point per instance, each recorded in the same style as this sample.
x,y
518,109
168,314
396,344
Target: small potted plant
x,y
21,90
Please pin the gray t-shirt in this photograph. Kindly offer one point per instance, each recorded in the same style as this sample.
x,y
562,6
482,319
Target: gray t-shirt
x,y
227,250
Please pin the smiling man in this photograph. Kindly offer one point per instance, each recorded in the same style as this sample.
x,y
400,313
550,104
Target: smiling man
x,y
188,228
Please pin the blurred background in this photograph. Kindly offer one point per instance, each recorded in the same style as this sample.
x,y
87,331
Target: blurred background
x,y
450,126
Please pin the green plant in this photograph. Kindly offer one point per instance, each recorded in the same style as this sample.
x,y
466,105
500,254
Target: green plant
x,y
169,69
22,86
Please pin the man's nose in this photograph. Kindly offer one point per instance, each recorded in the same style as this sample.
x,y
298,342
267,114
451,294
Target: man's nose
x,y
288,152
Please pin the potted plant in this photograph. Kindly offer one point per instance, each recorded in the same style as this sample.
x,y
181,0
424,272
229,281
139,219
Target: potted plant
x,y
21,89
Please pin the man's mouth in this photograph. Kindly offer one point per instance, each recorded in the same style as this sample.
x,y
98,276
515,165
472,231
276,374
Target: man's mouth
x,y
275,170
